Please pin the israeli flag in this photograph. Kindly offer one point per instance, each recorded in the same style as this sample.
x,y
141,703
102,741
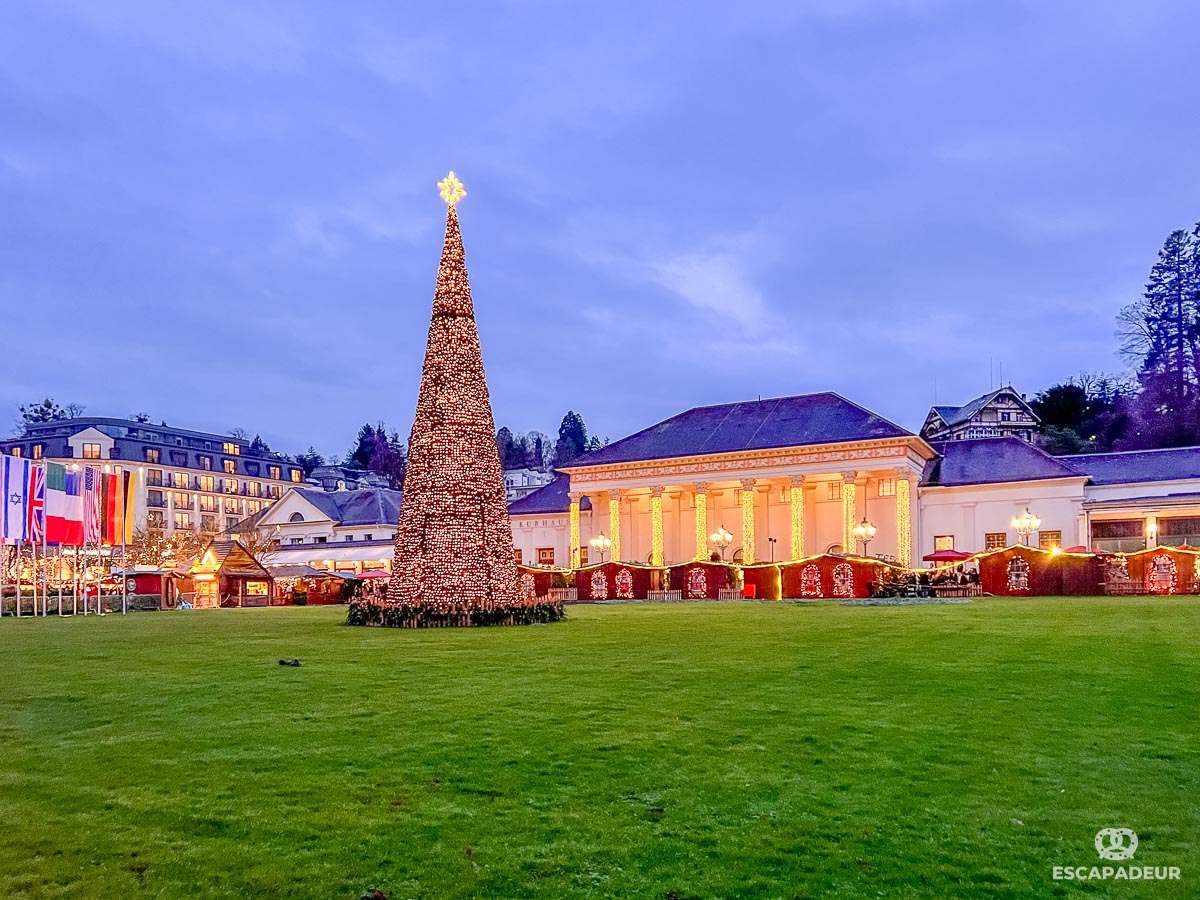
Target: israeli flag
x,y
14,496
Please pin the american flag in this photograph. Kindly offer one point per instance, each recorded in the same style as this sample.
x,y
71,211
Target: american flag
x,y
91,506
35,508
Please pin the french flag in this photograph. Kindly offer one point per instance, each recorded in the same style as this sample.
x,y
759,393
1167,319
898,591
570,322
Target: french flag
x,y
64,506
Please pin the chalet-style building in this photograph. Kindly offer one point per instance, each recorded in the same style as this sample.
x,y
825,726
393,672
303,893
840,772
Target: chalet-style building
x,y
1001,413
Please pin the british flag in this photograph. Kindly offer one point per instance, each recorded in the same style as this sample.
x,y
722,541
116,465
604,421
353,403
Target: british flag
x,y
91,506
35,508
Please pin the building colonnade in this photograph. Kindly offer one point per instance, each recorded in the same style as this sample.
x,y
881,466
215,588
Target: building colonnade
x,y
769,519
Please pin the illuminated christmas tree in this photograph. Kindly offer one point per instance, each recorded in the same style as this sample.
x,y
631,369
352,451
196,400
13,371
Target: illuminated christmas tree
x,y
454,560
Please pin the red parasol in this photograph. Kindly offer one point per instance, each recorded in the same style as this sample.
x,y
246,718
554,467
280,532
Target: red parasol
x,y
947,556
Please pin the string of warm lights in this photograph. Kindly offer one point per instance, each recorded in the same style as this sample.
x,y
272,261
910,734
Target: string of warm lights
x,y
748,522
701,524
903,522
614,526
849,514
796,499
656,527
574,519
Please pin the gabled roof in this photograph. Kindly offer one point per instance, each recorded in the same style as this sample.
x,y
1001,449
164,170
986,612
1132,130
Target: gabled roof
x,y
1168,464
825,418
549,498
366,506
992,461
955,415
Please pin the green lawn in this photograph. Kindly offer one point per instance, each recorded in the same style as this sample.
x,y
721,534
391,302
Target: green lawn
x,y
706,750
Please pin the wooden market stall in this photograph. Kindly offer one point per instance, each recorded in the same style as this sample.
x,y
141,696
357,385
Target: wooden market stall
x,y
226,574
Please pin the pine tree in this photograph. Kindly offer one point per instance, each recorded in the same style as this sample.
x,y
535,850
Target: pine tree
x,y
454,550
572,439
360,456
505,445
1160,335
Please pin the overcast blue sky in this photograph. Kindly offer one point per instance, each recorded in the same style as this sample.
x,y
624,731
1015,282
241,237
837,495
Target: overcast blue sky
x,y
225,214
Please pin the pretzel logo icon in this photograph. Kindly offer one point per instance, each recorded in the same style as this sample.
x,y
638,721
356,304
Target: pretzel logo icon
x,y
1116,843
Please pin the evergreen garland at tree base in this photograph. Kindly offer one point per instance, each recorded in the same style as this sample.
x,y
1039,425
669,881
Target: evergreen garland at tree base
x,y
463,615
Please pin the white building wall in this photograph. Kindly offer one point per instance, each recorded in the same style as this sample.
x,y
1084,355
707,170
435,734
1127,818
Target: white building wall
x,y
969,513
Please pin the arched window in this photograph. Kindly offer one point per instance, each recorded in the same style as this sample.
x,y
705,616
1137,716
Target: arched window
x,y
296,517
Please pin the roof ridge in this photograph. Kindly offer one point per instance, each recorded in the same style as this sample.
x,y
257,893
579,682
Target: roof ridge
x,y
1126,452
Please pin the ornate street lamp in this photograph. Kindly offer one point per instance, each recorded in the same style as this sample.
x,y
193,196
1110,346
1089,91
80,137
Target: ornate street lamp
x,y
722,539
1025,525
863,532
600,544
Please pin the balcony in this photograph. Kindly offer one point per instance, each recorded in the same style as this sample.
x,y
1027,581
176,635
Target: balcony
x,y
156,503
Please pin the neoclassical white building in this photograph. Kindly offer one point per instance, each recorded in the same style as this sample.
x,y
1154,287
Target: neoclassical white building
x,y
791,477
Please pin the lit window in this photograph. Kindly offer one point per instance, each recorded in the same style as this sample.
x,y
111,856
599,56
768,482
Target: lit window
x,y
233,506
887,487
254,489
91,451
230,466
252,507
943,542
154,477
231,486
17,451
183,521
273,472
296,475
1048,540
184,500
995,540
179,480
231,448
208,503
276,491
835,490
38,450
152,455
207,482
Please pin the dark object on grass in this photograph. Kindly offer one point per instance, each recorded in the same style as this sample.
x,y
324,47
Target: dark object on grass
x,y
289,662
376,894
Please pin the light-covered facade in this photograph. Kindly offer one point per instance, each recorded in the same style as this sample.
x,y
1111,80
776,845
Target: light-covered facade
x,y
660,495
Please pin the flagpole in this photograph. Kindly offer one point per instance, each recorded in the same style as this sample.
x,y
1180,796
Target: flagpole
x,y
58,576
3,572
45,567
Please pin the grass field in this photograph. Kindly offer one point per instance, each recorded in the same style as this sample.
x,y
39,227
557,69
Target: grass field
x,y
707,750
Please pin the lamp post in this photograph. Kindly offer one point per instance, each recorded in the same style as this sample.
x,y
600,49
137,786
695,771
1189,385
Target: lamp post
x,y
864,532
722,539
600,544
1025,525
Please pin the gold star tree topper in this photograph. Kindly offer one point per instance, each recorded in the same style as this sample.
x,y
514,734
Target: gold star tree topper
x,y
452,189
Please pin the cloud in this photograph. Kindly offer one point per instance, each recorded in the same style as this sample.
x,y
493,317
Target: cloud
x,y
714,281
